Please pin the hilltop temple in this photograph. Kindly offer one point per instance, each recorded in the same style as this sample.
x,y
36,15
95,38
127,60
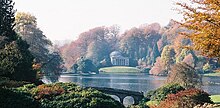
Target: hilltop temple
x,y
118,60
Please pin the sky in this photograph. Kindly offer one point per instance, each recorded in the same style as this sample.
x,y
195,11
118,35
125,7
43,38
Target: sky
x,y
66,19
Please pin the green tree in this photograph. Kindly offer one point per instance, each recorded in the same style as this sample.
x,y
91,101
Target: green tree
x,y
154,54
168,57
182,55
40,47
204,20
26,27
15,59
7,20
97,51
86,65
74,68
207,68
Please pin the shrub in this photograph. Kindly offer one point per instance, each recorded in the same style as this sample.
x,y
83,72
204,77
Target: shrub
x,y
12,98
6,82
69,95
185,99
162,92
47,91
76,97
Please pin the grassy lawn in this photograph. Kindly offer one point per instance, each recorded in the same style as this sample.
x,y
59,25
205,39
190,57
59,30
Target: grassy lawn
x,y
215,98
212,74
121,69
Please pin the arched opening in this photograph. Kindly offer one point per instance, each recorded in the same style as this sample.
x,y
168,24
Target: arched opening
x,y
128,100
115,97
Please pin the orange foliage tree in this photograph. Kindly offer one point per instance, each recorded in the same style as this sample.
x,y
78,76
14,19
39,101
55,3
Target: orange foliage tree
x,y
203,18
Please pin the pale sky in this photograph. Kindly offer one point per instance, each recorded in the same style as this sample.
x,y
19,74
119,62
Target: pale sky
x,y
66,19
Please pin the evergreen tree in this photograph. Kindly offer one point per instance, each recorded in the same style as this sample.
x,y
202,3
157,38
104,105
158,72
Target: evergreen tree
x,y
86,65
15,59
7,18
154,54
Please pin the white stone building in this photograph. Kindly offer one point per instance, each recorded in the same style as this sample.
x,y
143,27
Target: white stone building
x,y
118,60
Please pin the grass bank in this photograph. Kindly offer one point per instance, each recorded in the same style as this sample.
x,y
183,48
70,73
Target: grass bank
x,y
215,98
119,69
212,74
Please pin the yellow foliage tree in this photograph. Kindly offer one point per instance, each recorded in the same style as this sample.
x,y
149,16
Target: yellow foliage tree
x,y
203,18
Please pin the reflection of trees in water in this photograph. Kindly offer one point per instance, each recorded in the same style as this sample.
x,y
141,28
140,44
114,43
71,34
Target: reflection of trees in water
x,y
95,82
211,84
50,79
156,81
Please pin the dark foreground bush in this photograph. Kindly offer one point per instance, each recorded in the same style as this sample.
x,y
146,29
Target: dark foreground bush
x,y
6,82
185,99
11,98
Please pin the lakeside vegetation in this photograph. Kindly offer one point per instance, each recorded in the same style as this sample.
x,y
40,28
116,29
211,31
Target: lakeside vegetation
x,y
212,74
120,69
215,98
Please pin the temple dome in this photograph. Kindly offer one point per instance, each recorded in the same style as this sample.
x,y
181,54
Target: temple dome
x,y
115,54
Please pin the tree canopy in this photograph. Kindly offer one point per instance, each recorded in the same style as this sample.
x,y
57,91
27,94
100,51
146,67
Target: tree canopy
x,y
7,19
41,47
203,18
15,59
185,75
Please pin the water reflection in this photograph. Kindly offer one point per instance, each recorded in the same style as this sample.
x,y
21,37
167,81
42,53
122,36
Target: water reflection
x,y
129,81
134,81
211,85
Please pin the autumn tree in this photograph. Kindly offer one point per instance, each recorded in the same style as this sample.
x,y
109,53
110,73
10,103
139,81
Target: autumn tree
x,y
94,44
185,75
140,44
158,68
203,18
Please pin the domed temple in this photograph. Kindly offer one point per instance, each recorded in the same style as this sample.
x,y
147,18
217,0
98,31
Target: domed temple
x,y
118,60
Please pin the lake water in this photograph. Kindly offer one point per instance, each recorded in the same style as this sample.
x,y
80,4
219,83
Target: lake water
x,y
133,81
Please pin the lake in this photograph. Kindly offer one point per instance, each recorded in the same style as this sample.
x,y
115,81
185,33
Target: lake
x,y
133,81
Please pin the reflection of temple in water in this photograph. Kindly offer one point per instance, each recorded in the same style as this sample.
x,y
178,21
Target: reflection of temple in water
x,y
118,60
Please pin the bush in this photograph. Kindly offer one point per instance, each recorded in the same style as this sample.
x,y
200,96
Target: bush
x,y
12,98
69,95
47,91
185,99
6,82
162,92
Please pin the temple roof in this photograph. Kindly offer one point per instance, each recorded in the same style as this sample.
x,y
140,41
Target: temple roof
x,y
115,54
